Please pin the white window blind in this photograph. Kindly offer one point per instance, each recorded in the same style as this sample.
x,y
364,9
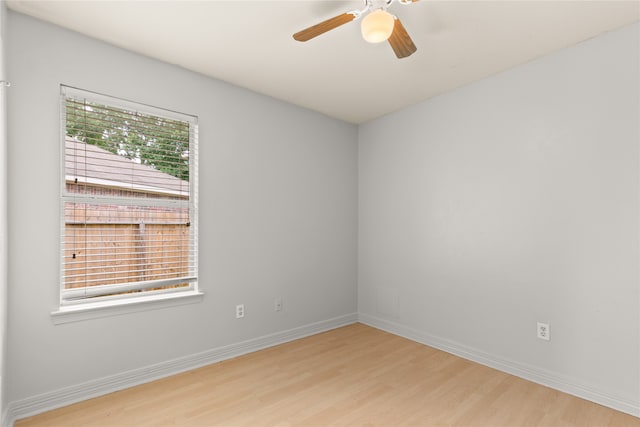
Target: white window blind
x,y
129,199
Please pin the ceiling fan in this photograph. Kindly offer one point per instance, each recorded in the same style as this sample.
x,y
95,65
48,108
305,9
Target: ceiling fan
x,y
377,26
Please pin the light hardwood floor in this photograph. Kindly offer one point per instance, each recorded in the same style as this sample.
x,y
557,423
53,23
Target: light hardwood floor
x,y
351,376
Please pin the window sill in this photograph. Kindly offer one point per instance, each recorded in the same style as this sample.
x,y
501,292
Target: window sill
x,y
77,313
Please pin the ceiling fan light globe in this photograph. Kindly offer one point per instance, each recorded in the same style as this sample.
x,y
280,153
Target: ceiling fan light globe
x,y
377,26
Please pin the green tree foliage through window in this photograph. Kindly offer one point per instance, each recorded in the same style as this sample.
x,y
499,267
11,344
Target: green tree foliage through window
x,y
147,139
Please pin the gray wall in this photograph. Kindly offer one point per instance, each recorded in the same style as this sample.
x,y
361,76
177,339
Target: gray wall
x,y
510,201
278,213
3,214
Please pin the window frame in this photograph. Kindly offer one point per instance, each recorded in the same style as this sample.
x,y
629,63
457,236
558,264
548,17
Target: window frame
x,y
99,306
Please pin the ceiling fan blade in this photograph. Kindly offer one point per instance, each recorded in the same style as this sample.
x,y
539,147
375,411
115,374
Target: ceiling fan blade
x,y
323,27
400,41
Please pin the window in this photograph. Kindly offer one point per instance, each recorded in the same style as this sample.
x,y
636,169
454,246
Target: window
x,y
129,201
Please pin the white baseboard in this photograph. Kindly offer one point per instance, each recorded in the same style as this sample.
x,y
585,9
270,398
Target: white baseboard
x,y
531,373
73,394
99,387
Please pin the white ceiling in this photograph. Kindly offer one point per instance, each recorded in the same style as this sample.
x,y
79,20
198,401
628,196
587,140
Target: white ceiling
x,y
249,43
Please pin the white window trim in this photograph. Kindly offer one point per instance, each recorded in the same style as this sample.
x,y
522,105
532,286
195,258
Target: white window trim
x,y
96,310
112,306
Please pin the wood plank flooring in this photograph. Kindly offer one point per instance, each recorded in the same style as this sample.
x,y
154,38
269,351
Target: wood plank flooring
x,y
351,376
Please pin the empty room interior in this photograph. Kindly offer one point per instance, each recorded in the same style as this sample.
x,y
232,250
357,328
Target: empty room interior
x,y
317,213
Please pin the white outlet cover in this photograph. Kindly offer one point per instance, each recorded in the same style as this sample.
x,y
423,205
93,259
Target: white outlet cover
x,y
543,331
239,311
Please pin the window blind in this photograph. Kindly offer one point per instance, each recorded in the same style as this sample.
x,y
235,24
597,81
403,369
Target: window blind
x,y
129,199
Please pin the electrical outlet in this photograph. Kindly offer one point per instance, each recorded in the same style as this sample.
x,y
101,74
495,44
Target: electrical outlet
x,y
543,331
239,311
278,304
